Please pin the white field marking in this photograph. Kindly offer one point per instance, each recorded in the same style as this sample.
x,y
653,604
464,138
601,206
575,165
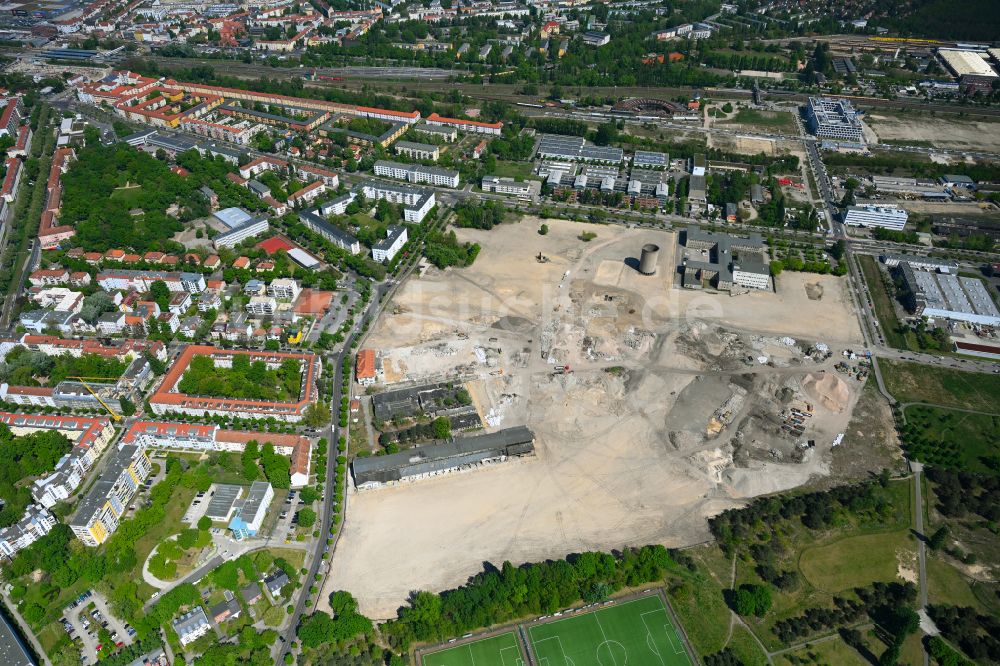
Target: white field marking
x,y
517,659
667,629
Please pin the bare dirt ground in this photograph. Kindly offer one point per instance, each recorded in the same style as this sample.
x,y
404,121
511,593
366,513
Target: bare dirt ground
x,y
678,405
939,132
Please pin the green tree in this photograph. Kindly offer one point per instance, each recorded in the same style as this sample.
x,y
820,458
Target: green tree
x,y
442,427
187,538
776,267
543,230
838,249
160,293
939,538
204,523
307,517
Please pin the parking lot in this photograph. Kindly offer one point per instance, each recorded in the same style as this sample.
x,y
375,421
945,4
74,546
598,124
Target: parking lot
x,y
284,528
83,620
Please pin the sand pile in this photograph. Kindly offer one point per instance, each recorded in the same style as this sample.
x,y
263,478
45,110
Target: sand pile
x,y
828,390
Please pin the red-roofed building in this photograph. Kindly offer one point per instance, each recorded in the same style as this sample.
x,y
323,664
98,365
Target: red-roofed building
x,y
49,277
212,261
262,164
23,143
236,179
275,243
466,125
197,437
168,398
11,179
478,151
329,178
241,262
364,368
307,193
11,117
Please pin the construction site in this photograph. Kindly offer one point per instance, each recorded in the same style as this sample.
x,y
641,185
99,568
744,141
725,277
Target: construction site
x,y
652,407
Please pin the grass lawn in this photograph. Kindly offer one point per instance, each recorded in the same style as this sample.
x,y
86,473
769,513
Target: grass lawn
x,y
813,554
947,585
952,439
638,633
507,169
171,524
913,382
746,648
854,561
699,603
294,556
833,651
502,650
130,197
884,310
780,121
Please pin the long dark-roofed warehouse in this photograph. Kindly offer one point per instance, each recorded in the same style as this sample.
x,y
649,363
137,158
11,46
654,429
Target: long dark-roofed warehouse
x,y
442,457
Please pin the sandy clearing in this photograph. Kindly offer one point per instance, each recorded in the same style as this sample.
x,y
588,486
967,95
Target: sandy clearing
x,y
941,132
684,428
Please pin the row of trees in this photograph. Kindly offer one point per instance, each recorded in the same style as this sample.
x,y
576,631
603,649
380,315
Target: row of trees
x,y
479,214
500,595
23,367
976,634
759,522
444,250
887,604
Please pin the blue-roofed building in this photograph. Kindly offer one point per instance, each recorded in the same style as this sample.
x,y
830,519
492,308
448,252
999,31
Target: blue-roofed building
x,y
232,217
249,512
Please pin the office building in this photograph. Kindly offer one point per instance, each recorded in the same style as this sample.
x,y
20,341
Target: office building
x,y
249,512
522,189
576,149
885,217
834,119
946,296
724,261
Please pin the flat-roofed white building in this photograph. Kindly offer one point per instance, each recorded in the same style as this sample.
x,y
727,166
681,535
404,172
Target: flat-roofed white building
x,y
884,217
416,173
946,296
834,119
523,189
387,248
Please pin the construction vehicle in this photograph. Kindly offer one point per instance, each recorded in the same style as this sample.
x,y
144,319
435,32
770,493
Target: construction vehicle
x,y
542,259
83,380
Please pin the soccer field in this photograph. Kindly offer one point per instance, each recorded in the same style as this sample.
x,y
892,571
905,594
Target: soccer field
x,y
637,633
499,650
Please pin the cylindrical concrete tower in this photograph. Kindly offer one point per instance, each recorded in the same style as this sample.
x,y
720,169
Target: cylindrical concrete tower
x,y
647,263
